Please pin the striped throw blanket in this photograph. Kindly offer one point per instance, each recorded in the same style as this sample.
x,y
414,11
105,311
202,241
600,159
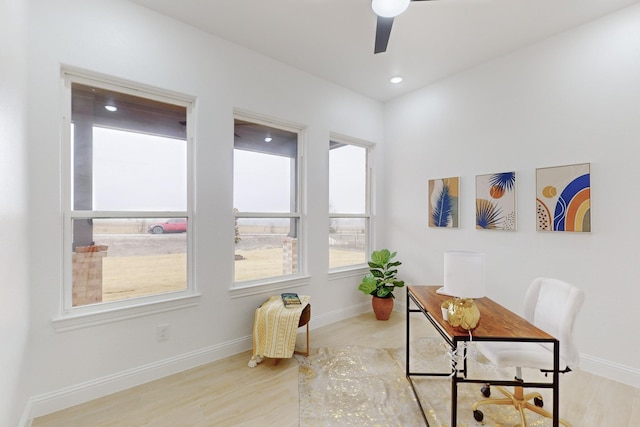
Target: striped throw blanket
x,y
275,328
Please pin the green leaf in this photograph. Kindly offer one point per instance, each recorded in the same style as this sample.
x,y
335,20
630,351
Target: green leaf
x,y
383,292
377,273
381,257
368,284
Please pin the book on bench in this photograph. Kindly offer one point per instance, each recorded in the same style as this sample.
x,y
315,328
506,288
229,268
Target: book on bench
x,y
291,300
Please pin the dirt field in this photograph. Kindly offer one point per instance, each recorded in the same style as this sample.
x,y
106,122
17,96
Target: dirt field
x,y
146,264
124,245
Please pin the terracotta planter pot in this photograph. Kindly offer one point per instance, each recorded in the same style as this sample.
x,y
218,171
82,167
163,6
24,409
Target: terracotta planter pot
x,y
382,307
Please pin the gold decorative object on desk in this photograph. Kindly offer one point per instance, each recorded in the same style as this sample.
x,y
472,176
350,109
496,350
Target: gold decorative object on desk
x,y
463,313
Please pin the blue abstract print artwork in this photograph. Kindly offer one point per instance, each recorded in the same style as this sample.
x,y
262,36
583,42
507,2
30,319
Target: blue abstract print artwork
x,y
563,198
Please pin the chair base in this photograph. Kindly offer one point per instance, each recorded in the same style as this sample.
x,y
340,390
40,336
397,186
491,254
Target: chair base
x,y
519,400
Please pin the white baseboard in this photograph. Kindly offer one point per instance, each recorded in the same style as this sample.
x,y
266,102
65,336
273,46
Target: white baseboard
x,y
338,315
80,393
25,420
610,370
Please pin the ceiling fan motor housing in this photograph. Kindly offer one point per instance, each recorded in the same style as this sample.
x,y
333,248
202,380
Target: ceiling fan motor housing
x,y
389,8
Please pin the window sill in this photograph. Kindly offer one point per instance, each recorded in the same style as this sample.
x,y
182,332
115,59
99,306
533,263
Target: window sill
x,y
348,272
69,322
248,289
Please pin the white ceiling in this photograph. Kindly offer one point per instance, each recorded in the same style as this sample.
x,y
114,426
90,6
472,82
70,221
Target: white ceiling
x,y
333,39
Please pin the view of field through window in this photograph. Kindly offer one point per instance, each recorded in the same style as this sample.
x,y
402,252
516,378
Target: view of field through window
x,y
129,162
348,212
137,261
266,196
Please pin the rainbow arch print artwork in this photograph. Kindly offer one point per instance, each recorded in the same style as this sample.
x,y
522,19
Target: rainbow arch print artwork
x,y
443,202
496,201
563,198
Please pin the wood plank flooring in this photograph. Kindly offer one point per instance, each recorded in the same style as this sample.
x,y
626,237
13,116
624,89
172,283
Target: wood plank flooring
x,y
228,393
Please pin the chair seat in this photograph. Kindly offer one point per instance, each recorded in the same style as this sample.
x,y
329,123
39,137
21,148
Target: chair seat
x,y
519,354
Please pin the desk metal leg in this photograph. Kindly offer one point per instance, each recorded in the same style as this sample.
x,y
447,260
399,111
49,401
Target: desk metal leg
x,y
454,379
408,340
556,385
408,352
454,400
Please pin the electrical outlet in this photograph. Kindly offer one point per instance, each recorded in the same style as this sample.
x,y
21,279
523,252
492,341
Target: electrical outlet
x,y
163,332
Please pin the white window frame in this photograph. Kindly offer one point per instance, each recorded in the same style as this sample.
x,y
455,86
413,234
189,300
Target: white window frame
x,y
368,215
259,286
71,317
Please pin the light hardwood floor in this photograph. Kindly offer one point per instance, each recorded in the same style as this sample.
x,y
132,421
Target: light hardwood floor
x,y
228,393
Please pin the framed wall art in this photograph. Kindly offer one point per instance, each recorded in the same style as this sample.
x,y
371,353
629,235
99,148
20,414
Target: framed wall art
x,y
443,202
496,201
563,198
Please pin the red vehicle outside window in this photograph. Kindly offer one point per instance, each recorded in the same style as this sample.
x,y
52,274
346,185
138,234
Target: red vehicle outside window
x,y
174,225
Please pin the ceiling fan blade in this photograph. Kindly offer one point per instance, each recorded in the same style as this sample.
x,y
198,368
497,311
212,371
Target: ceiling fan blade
x,y
383,31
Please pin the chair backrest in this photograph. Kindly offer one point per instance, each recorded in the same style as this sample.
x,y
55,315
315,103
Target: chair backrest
x,y
552,305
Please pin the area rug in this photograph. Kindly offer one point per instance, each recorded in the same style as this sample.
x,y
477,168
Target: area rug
x,y
363,386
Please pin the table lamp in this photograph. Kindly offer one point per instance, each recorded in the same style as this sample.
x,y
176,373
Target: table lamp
x,y
464,279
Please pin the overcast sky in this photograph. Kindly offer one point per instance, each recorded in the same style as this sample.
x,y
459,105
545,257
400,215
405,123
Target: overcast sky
x,y
134,171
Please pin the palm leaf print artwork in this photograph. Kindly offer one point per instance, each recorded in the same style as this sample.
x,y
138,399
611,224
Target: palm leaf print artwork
x,y
496,201
443,202
487,214
505,181
442,209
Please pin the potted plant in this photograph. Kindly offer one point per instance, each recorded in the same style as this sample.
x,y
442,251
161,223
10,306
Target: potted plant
x,y
381,282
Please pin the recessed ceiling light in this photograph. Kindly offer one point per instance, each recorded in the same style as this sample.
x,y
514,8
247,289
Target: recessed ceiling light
x,y
268,139
395,79
111,108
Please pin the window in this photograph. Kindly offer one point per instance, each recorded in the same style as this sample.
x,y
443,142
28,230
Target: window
x,y
266,196
349,203
127,198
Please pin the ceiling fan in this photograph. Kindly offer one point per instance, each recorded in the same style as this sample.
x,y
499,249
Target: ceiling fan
x,y
386,11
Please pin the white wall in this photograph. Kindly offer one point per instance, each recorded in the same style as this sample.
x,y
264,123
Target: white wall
x,y
14,285
571,99
123,40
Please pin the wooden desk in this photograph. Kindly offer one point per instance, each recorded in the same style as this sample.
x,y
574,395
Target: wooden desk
x,y
496,324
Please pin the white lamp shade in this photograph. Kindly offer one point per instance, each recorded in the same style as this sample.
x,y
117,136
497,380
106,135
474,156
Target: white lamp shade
x,y
389,8
464,274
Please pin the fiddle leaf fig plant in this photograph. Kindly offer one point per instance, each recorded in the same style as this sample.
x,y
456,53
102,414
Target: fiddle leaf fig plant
x,y
382,278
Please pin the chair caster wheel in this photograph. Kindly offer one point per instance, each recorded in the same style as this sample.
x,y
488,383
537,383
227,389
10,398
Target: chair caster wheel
x,y
538,402
478,415
486,390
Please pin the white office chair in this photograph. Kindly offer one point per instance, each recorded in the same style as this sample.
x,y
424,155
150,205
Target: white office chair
x,y
552,305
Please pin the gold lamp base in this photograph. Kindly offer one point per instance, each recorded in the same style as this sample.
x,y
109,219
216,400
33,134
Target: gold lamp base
x,y
463,313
